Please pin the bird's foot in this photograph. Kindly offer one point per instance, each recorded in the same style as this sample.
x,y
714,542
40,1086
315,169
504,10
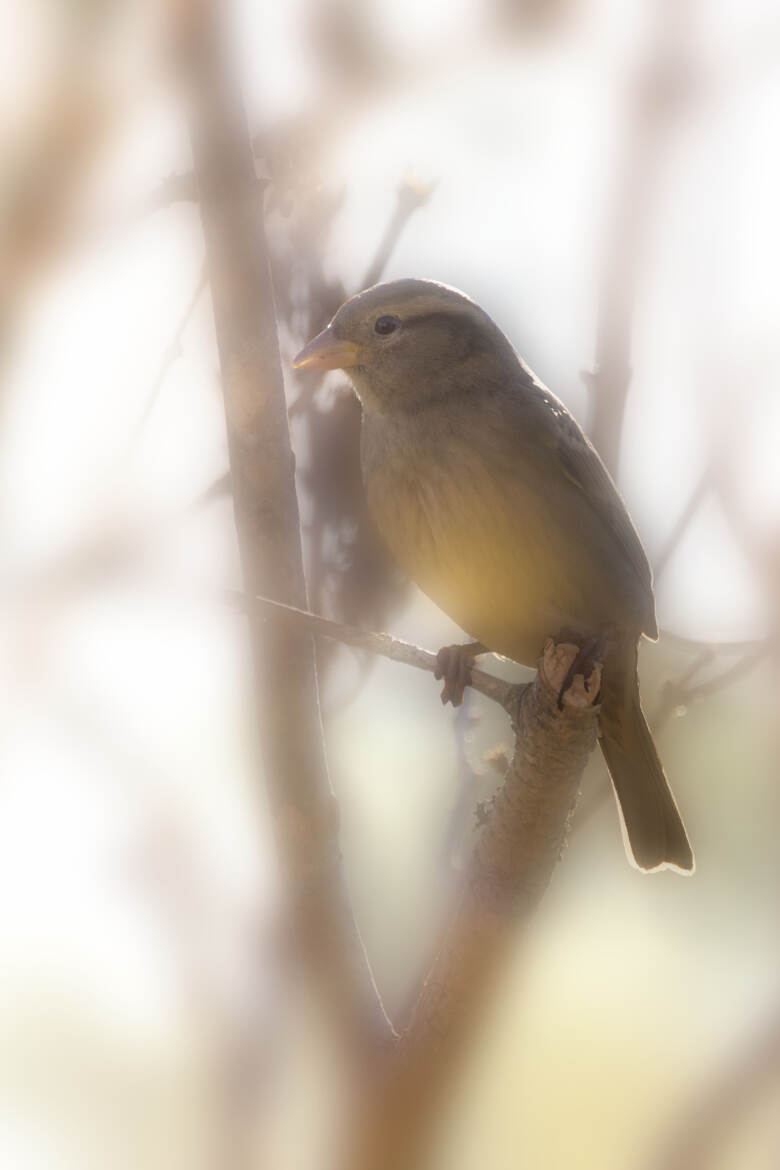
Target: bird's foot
x,y
453,665
589,656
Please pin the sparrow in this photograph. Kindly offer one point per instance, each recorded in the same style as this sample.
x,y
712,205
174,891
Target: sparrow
x,y
496,504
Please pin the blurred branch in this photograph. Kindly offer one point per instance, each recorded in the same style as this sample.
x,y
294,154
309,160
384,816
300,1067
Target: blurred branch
x,y
411,195
696,645
45,163
267,520
176,188
683,523
753,548
697,1141
658,98
716,478
172,353
682,693
107,552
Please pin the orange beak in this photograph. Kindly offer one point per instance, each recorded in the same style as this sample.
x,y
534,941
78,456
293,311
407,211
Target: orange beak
x,y
327,352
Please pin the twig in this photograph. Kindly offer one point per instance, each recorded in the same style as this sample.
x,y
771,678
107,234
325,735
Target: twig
x,y
696,645
753,548
683,522
172,353
684,695
176,188
411,195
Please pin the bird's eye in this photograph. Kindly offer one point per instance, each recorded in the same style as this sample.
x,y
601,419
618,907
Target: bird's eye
x,y
385,325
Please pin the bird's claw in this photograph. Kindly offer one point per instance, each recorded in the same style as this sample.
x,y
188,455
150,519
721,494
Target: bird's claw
x,y
584,663
453,665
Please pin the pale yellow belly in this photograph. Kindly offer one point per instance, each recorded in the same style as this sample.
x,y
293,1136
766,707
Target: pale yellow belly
x,y
501,568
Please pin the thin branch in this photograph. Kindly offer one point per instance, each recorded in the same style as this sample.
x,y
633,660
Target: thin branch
x,y
683,523
754,549
411,196
696,645
682,693
383,644
685,695
171,355
179,187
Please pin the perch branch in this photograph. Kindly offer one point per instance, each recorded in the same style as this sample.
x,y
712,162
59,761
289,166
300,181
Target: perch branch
x,y
383,644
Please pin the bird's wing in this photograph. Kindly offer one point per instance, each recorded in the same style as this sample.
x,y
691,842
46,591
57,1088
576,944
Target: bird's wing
x,y
581,465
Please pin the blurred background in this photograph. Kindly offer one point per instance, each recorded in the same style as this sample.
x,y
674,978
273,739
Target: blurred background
x,y
603,177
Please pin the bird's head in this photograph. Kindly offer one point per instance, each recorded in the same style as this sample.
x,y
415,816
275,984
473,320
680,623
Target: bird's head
x,y
408,343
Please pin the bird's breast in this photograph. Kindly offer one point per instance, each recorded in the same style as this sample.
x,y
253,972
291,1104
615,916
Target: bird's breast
x,y
485,548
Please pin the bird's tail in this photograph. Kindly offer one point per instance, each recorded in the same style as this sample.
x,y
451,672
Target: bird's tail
x,y
654,830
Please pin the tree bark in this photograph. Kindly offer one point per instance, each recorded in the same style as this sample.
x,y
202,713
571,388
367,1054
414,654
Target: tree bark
x,y
516,852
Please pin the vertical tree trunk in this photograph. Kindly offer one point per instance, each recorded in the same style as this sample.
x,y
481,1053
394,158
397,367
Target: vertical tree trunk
x,y
267,520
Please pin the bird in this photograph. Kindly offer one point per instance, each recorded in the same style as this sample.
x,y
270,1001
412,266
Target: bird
x,y
497,505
